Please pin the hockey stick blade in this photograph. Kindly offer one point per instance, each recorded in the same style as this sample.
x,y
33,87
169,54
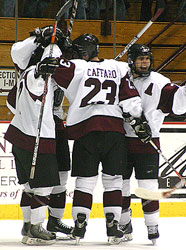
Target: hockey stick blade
x,y
158,13
148,194
63,9
157,195
73,15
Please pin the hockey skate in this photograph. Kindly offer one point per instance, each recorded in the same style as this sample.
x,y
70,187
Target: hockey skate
x,y
153,233
127,230
24,231
37,235
56,225
80,227
114,233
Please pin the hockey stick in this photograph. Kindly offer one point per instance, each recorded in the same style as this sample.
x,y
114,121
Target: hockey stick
x,y
63,9
165,28
176,156
171,58
167,161
156,195
183,83
158,13
73,15
71,23
36,146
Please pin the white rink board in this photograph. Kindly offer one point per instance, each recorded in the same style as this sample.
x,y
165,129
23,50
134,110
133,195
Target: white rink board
x,y
10,190
7,81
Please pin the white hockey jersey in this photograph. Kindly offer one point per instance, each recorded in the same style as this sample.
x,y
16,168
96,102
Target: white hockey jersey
x,y
98,93
159,98
23,127
28,93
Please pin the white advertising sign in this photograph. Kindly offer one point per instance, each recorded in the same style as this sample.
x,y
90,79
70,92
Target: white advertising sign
x,y
7,81
10,190
171,143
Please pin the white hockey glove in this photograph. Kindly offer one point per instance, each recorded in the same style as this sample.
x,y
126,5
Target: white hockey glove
x,y
140,126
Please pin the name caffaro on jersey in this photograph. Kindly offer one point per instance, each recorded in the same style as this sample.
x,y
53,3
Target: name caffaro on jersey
x,y
101,73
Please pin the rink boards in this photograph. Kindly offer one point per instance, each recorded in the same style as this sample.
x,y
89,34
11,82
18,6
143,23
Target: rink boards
x,y
173,141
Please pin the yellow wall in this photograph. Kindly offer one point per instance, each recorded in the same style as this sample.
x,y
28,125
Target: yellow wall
x,y
167,209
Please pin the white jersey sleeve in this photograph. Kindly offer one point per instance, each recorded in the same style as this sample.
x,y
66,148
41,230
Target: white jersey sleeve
x,y
21,52
179,103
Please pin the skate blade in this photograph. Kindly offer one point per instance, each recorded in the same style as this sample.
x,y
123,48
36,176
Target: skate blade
x,y
38,242
154,242
127,237
67,237
24,239
77,240
112,240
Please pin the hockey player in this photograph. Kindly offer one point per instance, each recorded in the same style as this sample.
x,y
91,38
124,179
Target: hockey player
x,y
24,54
159,98
98,92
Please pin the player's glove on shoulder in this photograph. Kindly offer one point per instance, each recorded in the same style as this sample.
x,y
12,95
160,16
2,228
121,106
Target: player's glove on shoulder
x,y
140,126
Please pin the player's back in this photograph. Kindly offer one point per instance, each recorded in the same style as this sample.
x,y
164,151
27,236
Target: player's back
x,y
96,87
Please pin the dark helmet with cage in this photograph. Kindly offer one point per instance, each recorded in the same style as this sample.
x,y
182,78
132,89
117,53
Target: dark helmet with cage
x,y
86,44
139,50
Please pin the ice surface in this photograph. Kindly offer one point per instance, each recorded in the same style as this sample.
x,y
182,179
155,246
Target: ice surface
x,y
172,236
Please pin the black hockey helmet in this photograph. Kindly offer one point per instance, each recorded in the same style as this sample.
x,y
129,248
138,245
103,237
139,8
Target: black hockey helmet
x,y
86,44
139,50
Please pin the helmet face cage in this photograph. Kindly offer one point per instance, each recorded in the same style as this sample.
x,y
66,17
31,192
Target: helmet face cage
x,y
86,44
133,53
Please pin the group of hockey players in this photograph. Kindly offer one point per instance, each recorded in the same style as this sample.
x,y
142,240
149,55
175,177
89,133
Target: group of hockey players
x,y
115,110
